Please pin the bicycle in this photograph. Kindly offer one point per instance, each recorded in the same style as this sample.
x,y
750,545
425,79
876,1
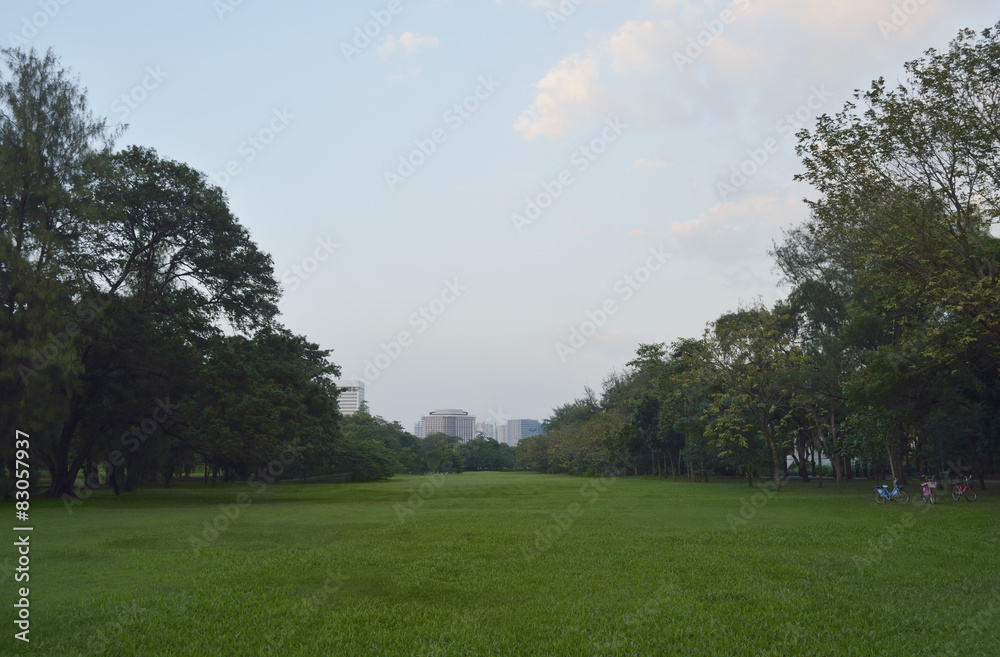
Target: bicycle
x,y
963,489
883,494
928,486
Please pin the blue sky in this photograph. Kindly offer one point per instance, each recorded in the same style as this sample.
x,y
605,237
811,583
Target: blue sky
x,y
489,205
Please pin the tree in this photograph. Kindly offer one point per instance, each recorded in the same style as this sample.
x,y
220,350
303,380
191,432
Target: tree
x,y
579,410
49,145
442,454
117,272
910,189
752,353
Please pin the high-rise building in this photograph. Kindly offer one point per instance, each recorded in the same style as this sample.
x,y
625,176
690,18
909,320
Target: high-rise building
x,y
417,431
502,434
351,396
488,429
519,429
451,422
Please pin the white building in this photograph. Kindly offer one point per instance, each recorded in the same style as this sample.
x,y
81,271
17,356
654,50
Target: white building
x,y
351,396
451,422
519,429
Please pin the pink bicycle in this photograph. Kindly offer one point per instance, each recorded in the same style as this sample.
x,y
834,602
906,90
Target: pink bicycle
x,y
928,486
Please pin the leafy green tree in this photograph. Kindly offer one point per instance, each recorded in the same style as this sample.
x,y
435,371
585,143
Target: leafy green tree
x,y
578,411
752,353
50,144
483,453
255,398
442,454
910,188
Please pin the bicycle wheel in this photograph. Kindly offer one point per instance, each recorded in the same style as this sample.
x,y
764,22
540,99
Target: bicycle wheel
x,y
902,497
933,498
956,493
971,495
878,497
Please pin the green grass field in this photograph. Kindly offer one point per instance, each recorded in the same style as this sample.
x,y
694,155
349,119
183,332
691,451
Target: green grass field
x,y
510,564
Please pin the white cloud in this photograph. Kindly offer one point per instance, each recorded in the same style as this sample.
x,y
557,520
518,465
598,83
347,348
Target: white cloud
x,y
566,96
641,45
408,44
737,229
743,56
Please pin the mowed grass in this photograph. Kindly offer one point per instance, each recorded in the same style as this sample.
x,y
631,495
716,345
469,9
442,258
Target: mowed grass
x,y
483,567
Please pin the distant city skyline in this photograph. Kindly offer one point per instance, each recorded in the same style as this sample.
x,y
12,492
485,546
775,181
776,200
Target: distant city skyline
x,y
626,169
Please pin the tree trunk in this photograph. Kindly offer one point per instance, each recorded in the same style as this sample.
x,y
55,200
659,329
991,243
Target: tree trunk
x,y
113,473
836,461
64,476
777,461
801,461
819,474
895,459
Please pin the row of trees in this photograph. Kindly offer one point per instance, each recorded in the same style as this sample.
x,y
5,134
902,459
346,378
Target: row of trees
x,y
139,332
406,454
885,355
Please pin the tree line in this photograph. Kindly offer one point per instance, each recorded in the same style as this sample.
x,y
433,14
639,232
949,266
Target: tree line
x,y
396,451
884,357
139,331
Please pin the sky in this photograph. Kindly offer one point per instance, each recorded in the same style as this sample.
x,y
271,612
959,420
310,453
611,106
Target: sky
x,y
489,205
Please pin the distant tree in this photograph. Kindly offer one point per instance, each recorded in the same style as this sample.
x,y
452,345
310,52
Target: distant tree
x,y
578,411
441,453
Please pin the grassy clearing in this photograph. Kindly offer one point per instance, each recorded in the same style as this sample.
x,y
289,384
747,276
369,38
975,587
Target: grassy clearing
x,y
482,567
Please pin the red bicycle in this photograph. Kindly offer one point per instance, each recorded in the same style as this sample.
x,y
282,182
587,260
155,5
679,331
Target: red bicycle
x,y
963,489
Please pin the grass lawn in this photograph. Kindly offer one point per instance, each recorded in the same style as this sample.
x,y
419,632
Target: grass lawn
x,y
510,564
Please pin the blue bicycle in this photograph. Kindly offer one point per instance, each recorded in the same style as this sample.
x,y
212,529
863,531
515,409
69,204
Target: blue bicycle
x,y
883,494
